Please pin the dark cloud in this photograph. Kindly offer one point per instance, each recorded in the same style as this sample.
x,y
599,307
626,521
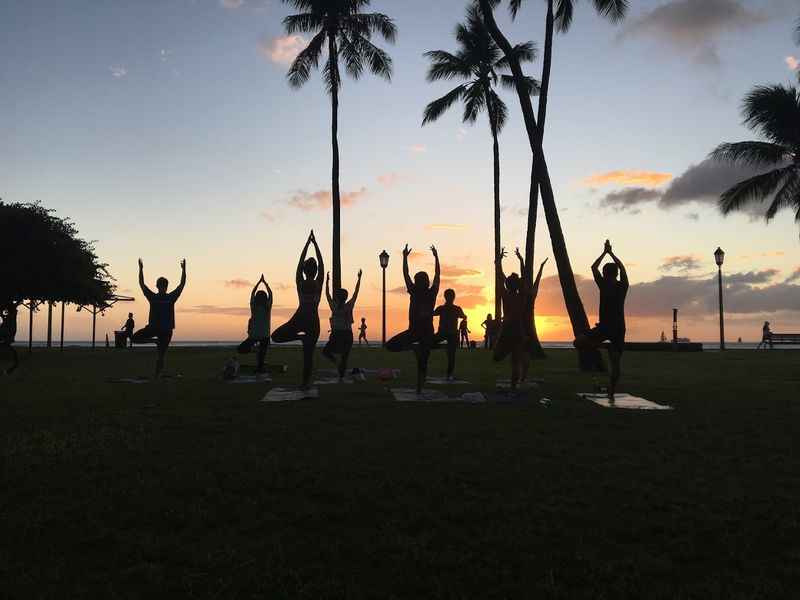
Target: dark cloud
x,y
680,263
705,182
694,26
753,277
795,276
627,198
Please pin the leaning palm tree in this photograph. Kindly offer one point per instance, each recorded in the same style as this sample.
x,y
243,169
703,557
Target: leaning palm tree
x,y
341,28
774,113
480,64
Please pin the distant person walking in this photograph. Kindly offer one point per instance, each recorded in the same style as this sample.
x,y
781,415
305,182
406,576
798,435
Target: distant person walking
x,y
449,315
341,339
766,337
419,336
258,326
161,320
128,328
362,332
464,332
304,324
8,333
612,314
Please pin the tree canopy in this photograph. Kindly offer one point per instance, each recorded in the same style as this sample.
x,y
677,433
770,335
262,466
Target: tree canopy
x,y
43,259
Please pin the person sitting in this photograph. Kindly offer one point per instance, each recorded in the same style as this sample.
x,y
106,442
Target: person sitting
x,y
258,327
341,339
449,314
161,320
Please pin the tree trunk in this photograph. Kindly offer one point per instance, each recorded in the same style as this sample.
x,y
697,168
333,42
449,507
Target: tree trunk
x,y
588,360
498,308
335,196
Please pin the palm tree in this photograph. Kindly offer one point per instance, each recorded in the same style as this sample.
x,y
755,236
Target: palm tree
x,y
588,359
773,112
479,62
347,32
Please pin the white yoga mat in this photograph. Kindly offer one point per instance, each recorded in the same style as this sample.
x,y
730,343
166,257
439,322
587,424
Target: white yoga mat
x,y
251,379
280,394
444,381
625,401
410,395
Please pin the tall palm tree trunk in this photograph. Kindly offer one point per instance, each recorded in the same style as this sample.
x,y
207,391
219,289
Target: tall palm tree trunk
x,y
497,242
590,359
335,194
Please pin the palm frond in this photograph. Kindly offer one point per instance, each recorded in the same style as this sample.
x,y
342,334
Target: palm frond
x,y
613,10
303,23
564,15
756,154
525,52
331,75
514,7
353,59
377,23
774,111
498,111
788,196
378,60
308,59
755,189
474,102
447,66
438,107
531,85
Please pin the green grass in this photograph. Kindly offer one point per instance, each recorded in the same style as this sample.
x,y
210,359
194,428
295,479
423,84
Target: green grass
x,y
193,488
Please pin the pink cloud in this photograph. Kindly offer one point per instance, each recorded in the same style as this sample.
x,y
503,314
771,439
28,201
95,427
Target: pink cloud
x,y
390,179
282,50
792,62
321,200
237,283
419,149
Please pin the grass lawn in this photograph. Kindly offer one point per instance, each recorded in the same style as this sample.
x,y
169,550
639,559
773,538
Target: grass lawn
x,y
192,488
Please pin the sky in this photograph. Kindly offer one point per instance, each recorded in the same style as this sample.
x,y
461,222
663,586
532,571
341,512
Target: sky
x,y
165,129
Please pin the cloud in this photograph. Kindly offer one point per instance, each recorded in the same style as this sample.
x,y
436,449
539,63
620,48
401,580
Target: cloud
x,y
321,200
629,197
795,276
118,71
694,26
238,283
270,216
390,180
623,177
693,216
446,227
456,272
282,50
418,149
793,63
212,309
680,263
231,4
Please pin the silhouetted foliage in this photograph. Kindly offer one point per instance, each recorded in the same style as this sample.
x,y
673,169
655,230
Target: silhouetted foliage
x,y
481,64
347,32
774,113
43,259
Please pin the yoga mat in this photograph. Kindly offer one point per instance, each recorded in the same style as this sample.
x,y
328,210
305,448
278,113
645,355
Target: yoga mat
x,y
625,401
410,395
250,379
444,381
281,394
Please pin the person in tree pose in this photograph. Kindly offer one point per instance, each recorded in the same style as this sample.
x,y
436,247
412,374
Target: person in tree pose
x,y
8,333
422,298
161,320
464,332
304,324
362,332
128,328
259,324
449,314
341,340
612,313
513,339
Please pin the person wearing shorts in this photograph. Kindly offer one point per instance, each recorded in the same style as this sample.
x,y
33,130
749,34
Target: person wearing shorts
x,y
341,340
449,315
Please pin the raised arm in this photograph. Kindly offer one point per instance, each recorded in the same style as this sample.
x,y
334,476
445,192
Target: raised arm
x,y
521,263
358,289
298,279
437,274
320,262
598,278
328,290
535,290
176,293
501,277
406,276
269,293
623,274
145,290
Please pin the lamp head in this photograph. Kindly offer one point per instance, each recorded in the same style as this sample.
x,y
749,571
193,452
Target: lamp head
x,y
719,256
384,258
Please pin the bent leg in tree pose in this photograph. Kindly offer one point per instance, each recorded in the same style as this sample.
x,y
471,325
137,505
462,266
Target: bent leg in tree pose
x,y
304,324
341,340
161,321
259,324
419,336
612,314
8,333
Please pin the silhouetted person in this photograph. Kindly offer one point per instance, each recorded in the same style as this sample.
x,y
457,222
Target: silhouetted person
x,y
517,293
304,324
161,320
362,332
464,332
766,335
128,328
449,314
612,314
488,333
259,324
341,339
8,333
419,336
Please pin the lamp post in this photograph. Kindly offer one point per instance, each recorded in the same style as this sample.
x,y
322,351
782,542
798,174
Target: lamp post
x,y
383,257
719,258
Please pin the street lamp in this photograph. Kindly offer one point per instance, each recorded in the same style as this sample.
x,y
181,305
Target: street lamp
x,y
383,257
719,258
